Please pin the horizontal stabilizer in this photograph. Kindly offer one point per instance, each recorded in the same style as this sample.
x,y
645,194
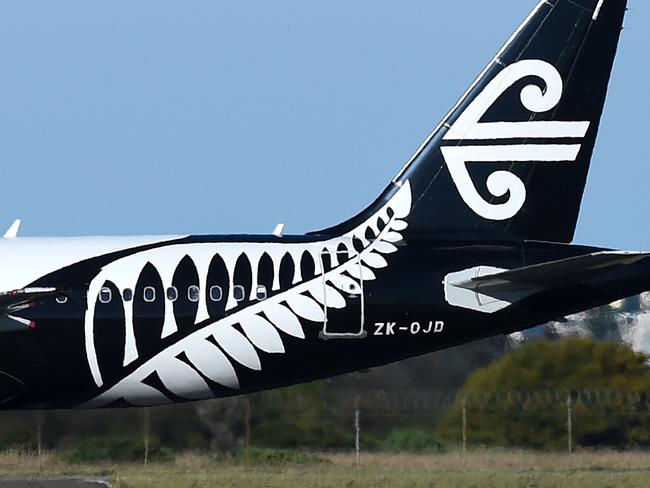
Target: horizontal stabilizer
x,y
566,272
489,289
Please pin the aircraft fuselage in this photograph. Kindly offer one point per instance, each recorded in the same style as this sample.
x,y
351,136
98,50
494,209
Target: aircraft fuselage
x,y
140,336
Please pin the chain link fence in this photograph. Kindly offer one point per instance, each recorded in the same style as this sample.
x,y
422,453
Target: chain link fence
x,y
422,420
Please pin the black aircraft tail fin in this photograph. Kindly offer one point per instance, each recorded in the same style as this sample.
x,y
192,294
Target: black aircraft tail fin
x,y
510,160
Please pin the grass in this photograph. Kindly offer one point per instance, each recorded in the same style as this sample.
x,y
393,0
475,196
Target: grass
x,y
476,469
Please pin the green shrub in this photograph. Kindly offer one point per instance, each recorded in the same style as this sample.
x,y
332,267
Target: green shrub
x,y
120,449
258,455
300,416
521,400
415,440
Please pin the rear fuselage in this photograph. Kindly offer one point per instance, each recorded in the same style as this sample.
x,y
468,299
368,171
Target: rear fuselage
x,y
197,317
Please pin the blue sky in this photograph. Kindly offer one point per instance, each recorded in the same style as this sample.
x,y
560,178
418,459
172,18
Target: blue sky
x,y
218,117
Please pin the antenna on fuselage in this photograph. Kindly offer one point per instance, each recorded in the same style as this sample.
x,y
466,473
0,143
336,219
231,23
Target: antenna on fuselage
x,y
278,230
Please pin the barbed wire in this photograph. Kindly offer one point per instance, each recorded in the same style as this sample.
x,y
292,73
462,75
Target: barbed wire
x,y
420,401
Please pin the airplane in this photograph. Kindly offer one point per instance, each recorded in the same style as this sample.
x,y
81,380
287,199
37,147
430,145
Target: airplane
x,y
471,239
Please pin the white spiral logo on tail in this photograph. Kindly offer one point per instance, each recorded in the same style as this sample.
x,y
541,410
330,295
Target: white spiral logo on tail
x,y
469,127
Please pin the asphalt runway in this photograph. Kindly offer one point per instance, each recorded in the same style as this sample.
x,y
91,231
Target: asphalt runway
x,y
53,483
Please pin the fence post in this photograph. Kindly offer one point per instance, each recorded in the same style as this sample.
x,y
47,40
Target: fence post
x,y
464,425
248,422
40,420
145,433
569,424
357,435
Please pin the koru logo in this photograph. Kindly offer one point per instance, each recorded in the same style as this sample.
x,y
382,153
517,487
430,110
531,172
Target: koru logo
x,y
468,127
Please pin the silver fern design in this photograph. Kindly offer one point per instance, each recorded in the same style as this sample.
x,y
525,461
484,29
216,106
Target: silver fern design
x,y
211,353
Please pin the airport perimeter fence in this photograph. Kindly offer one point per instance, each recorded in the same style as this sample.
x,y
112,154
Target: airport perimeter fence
x,y
601,417
384,420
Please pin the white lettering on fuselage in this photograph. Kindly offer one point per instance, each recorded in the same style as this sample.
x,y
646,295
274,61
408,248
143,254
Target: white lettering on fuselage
x,y
386,329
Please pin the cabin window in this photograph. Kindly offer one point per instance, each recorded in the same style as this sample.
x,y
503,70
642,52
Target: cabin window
x,y
193,293
127,294
239,293
353,290
61,298
216,293
105,295
149,294
172,294
260,292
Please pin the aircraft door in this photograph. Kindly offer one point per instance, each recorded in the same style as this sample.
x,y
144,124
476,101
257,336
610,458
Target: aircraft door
x,y
344,299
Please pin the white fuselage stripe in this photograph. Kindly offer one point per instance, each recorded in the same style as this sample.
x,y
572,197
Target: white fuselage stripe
x,y
597,11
